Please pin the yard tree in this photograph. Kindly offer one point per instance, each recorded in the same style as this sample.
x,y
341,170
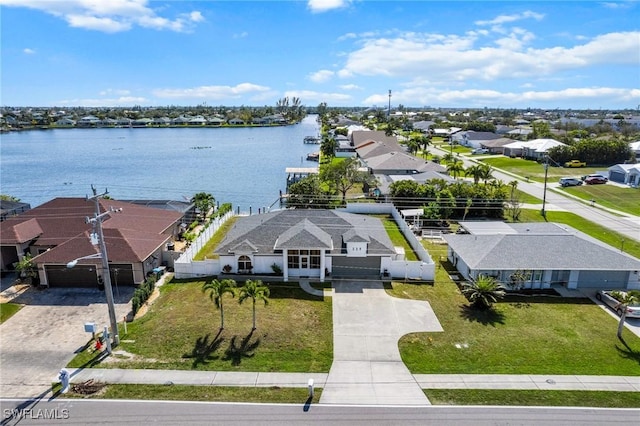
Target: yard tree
x,y
308,194
625,300
474,171
256,291
217,289
455,168
483,292
343,175
328,147
203,202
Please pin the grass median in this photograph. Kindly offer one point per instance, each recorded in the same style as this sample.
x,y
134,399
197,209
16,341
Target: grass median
x,y
7,310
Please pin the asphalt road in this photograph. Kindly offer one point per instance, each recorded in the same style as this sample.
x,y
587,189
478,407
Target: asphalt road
x,y
627,226
97,412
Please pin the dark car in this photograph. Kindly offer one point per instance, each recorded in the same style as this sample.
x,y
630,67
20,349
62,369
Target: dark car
x,y
595,180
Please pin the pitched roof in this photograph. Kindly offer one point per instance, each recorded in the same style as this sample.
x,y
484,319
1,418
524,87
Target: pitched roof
x,y
401,161
542,250
305,228
133,233
360,136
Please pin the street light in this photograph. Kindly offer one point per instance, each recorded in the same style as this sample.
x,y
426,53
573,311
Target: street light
x,y
544,192
98,239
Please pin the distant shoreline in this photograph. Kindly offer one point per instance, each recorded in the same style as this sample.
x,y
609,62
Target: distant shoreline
x,y
204,126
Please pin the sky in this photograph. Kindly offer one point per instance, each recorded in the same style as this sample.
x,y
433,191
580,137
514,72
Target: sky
x,y
495,54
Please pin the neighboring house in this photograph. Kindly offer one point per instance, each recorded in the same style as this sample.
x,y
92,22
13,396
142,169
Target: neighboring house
x,y
384,181
635,148
474,139
551,254
56,233
537,148
496,146
307,243
65,122
89,121
399,163
625,173
12,208
358,137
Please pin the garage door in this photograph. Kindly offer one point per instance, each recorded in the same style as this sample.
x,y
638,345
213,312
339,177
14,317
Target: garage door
x,y
78,276
607,280
355,266
121,274
616,177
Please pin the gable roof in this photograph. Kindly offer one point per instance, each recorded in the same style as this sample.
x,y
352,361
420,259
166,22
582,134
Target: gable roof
x,y
131,234
371,148
300,228
360,136
401,161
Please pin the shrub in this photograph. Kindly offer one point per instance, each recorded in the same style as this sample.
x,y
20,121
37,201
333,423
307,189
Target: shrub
x,y
226,269
276,269
142,293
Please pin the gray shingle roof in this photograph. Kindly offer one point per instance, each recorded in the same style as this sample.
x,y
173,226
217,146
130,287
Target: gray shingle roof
x,y
538,252
306,228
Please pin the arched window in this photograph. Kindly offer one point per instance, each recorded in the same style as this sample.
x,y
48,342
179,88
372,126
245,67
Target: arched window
x,y
244,264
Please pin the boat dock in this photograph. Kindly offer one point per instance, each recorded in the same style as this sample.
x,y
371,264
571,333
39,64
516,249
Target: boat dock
x,y
312,139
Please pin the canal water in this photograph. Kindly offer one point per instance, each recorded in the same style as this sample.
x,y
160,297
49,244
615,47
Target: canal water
x,y
243,166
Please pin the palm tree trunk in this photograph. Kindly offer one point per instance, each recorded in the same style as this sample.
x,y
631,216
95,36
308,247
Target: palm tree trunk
x,y
621,323
254,314
221,316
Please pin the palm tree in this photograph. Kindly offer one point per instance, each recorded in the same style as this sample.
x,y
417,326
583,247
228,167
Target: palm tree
x,y
487,172
475,171
217,289
254,290
203,202
483,292
455,168
625,300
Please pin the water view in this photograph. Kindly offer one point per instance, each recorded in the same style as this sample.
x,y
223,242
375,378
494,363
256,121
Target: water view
x,y
244,166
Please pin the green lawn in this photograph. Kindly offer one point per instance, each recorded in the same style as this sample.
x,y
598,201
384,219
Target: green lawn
x,y
7,310
553,398
521,336
624,199
180,331
534,170
528,199
207,250
397,238
593,229
272,394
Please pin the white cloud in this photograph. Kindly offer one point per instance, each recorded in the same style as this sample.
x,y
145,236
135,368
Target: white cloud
x,y
212,92
350,87
503,19
458,58
119,92
434,95
310,97
618,5
28,51
105,102
241,35
319,6
110,16
321,76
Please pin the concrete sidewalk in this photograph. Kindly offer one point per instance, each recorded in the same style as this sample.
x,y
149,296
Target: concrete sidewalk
x,y
300,380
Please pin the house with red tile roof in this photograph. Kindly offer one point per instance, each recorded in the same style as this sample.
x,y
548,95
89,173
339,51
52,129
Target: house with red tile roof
x,y
57,232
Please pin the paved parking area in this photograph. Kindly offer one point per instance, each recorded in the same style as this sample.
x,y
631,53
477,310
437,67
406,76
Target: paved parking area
x,y
42,337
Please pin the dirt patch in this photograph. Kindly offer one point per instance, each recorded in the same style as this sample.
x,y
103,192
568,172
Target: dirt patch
x,y
90,387
14,291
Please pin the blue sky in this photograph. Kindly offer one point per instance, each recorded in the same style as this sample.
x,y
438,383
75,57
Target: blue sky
x,y
544,54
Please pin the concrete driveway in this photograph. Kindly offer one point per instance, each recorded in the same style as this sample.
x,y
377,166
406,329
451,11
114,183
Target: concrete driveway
x,y
42,337
367,323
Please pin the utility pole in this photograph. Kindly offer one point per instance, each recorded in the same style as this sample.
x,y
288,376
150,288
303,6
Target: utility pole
x,y
389,108
544,193
106,276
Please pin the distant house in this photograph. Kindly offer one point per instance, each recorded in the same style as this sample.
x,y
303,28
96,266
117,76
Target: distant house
x,y
216,121
56,233
65,122
534,149
123,122
89,121
236,122
198,120
474,139
625,173
549,254
496,146
308,243
635,148
161,121
142,122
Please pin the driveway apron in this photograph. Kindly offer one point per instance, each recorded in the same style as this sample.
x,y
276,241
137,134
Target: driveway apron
x,y
42,337
367,324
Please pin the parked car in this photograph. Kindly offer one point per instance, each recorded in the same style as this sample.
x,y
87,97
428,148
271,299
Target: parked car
x,y
598,175
595,180
607,297
564,182
575,163
479,151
